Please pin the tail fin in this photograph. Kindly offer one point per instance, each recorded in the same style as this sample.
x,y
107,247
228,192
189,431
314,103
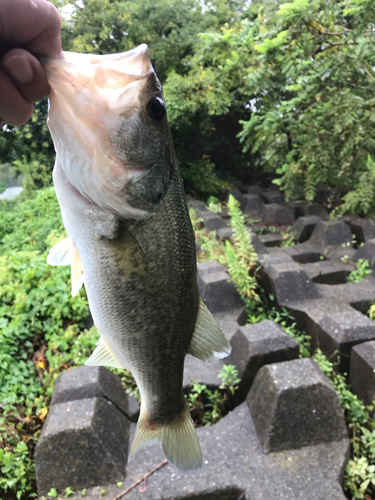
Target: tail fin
x,y
179,440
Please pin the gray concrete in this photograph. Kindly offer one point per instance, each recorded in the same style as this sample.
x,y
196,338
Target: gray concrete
x,y
362,371
363,229
259,247
338,253
89,382
236,468
271,240
198,205
254,346
257,190
216,288
360,295
305,252
253,204
277,214
236,193
273,197
303,227
337,333
331,233
294,405
286,280
225,233
366,252
82,444
306,208
212,221
328,272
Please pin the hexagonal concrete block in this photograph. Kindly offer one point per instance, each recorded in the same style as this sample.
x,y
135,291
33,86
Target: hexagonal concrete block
x,y
83,443
337,333
367,252
87,382
212,221
331,233
253,204
294,405
306,208
216,288
273,197
277,214
286,280
363,229
254,346
303,227
362,371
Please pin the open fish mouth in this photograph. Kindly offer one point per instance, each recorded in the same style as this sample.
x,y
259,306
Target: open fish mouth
x,y
96,115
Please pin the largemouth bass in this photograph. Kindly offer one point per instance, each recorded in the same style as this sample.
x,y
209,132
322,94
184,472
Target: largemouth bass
x,y
130,237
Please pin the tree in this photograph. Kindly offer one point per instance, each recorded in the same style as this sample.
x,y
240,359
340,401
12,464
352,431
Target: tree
x,y
304,71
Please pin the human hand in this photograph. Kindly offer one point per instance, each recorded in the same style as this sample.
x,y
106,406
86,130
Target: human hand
x,y
27,28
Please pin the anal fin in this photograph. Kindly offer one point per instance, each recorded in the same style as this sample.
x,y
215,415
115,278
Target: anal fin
x,y
208,342
102,356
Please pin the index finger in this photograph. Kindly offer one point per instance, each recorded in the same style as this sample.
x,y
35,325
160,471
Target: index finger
x,y
31,24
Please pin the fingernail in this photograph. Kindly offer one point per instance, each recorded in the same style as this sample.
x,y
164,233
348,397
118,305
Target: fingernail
x,y
19,68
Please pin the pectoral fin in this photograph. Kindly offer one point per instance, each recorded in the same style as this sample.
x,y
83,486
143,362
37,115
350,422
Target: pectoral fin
x,y
77,272
102,356
208,342
61,254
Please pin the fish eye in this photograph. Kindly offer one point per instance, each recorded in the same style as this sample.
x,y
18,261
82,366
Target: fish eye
x,y
156,109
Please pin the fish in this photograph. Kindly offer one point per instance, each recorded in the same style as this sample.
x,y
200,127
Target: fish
x,y
131,241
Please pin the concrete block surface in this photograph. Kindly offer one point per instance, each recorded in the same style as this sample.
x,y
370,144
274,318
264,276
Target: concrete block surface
x,y
277,214
79,445
331,233
294,405
216,288
362,371
254,346
303,227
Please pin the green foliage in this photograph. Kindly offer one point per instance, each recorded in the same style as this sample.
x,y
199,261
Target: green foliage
x,y
208,406
359,477
362,199
213,204
240,256
211,247
229,377
363,270
31,142
39,326
305,70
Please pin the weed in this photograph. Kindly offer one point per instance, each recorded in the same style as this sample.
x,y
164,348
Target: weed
x,y
241,256
288,240
208,406
214,204
363,270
